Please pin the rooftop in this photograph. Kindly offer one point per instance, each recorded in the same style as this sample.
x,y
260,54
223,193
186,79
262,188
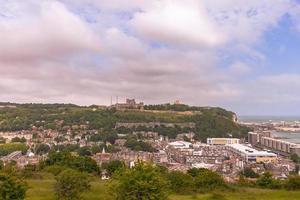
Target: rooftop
x,y
250,151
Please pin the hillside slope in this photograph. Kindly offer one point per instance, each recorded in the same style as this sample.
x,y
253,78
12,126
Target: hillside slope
x,y
208,121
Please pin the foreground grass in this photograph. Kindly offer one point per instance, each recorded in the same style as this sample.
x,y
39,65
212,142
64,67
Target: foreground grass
x,y
244,194
42,190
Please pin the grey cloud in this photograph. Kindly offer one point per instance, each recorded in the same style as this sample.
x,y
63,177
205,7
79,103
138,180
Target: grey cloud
x,y
62,58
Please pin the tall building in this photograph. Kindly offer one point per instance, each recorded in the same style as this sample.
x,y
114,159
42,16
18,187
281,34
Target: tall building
x,y
265,140
253,138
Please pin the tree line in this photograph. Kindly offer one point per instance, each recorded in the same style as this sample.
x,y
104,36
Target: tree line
x,y
73,176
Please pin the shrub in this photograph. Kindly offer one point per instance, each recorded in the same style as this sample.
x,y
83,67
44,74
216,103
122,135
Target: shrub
x,y
245,182
267,181
292,183
113,166
249,173
54,169
180,182
12,187
141,182
207,180
70,184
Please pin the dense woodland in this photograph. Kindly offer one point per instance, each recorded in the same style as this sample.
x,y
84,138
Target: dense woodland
x,y
210,122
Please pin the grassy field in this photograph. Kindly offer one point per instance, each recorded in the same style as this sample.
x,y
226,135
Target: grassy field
x,y
42,190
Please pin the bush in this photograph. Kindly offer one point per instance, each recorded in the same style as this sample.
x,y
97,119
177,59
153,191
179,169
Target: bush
x,y
207,180
180,182
267,181
70,184
113,166
295,158
245,182
84,151
292,183
31,171
54,169
12,187
144,181
17,139
249,173
41,149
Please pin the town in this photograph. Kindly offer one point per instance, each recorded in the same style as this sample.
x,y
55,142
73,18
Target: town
x,y
260,150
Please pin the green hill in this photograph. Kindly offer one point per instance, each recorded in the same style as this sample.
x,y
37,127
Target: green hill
x,y
208,121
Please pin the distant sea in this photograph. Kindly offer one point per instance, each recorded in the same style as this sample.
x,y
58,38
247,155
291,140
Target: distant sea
x,y
290,137
260,119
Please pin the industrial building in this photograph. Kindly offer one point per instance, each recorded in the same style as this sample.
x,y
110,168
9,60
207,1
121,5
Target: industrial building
x,y
249,154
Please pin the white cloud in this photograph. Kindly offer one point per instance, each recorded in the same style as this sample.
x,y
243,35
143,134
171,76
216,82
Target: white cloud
x,y
117,44
247,21
239,69
209,23
40,30
117,5
178,22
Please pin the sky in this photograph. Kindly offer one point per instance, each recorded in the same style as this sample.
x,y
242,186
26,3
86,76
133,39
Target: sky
x,y
238,54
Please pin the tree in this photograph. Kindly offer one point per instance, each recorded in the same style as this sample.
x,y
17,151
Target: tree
x,y
12,188
54,169
139,145
249,173
17,139
42,149
293,183
70,185
2,140
84,151
142,182
295,158
80,163
205,179
267,181
113,166
96,149
185,138
180,182
30,171
83,163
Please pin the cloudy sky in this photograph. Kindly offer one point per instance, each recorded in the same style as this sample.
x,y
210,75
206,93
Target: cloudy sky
x,y
243,55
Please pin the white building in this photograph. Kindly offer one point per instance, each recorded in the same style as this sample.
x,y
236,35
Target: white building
x,y
249,154
180,145
202,165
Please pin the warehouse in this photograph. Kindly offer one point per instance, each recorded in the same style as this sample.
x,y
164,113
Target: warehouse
x,y
249,154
